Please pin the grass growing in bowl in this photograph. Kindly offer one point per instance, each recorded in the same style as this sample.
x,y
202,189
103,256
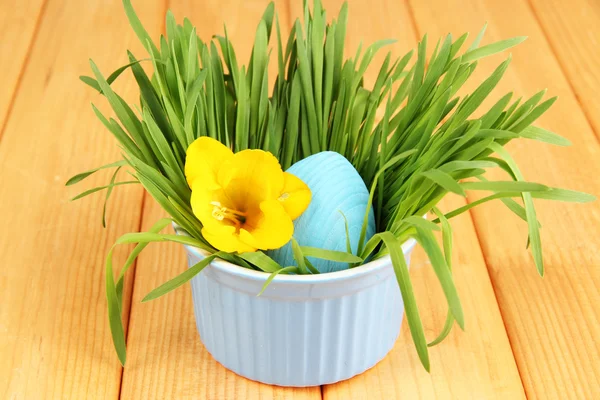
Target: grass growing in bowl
x,y
426,145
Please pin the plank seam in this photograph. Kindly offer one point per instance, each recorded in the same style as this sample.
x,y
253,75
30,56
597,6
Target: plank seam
x,y
563,70
133,274
492,282
13,96
413,20
139,228
474,225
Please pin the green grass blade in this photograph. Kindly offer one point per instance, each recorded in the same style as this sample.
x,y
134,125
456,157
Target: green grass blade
x,y
331,255
99,188
543,135
438,262
410,304
299,256
114,310
571,196
108,193
261,260
491,49
274,274
139,29
505,186
478,38
180,279
444,180
88,80
534,231
447,243
157,227
79,177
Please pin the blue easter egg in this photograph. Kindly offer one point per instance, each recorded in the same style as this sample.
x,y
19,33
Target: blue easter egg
x,y
336,186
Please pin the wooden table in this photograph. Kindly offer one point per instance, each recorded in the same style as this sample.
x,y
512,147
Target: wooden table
x,y
525,336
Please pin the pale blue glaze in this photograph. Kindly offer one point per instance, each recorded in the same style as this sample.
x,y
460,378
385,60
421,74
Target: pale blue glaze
x,y
336,186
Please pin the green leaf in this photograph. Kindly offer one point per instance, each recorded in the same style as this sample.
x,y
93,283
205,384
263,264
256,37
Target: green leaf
x,y
347,230
393,161
108,193
534,230
157,227
447,243
261,260
445,330
410,304
111,78
438,262
571,196
478,39
180,279
114,311
311,267
118,132
97,189
88,80
505,186
274,274
453,166
491,49
79,177
125,115
422,222
331,255
444,180
139,30
299,256
543,135
146,237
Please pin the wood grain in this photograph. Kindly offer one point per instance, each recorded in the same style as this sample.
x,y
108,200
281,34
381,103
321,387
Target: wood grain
x,y
477,363
553,323
571,28
166,359
54,336
54,339
19,21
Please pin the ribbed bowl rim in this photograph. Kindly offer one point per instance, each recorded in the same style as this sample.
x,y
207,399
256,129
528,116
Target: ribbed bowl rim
x,y
226,267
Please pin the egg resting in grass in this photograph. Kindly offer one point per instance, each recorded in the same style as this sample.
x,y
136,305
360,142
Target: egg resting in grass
x,y
336,188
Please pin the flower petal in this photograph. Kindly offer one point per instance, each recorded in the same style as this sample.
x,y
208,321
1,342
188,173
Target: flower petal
x,y
203,159
271,229
226,239
295,196
255,172
201,205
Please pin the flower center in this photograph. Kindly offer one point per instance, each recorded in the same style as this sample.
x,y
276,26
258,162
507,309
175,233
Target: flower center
x,y
223,213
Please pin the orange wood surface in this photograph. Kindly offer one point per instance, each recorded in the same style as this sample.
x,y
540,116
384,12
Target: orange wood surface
x,y
19,22
525,336
54,340
571,28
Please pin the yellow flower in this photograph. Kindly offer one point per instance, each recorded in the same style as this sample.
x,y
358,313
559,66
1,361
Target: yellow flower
x,y
244,200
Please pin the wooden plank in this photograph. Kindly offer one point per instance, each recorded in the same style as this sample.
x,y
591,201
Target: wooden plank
x,y
166,359
573,30
55,340
19,21
554,323
477,363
